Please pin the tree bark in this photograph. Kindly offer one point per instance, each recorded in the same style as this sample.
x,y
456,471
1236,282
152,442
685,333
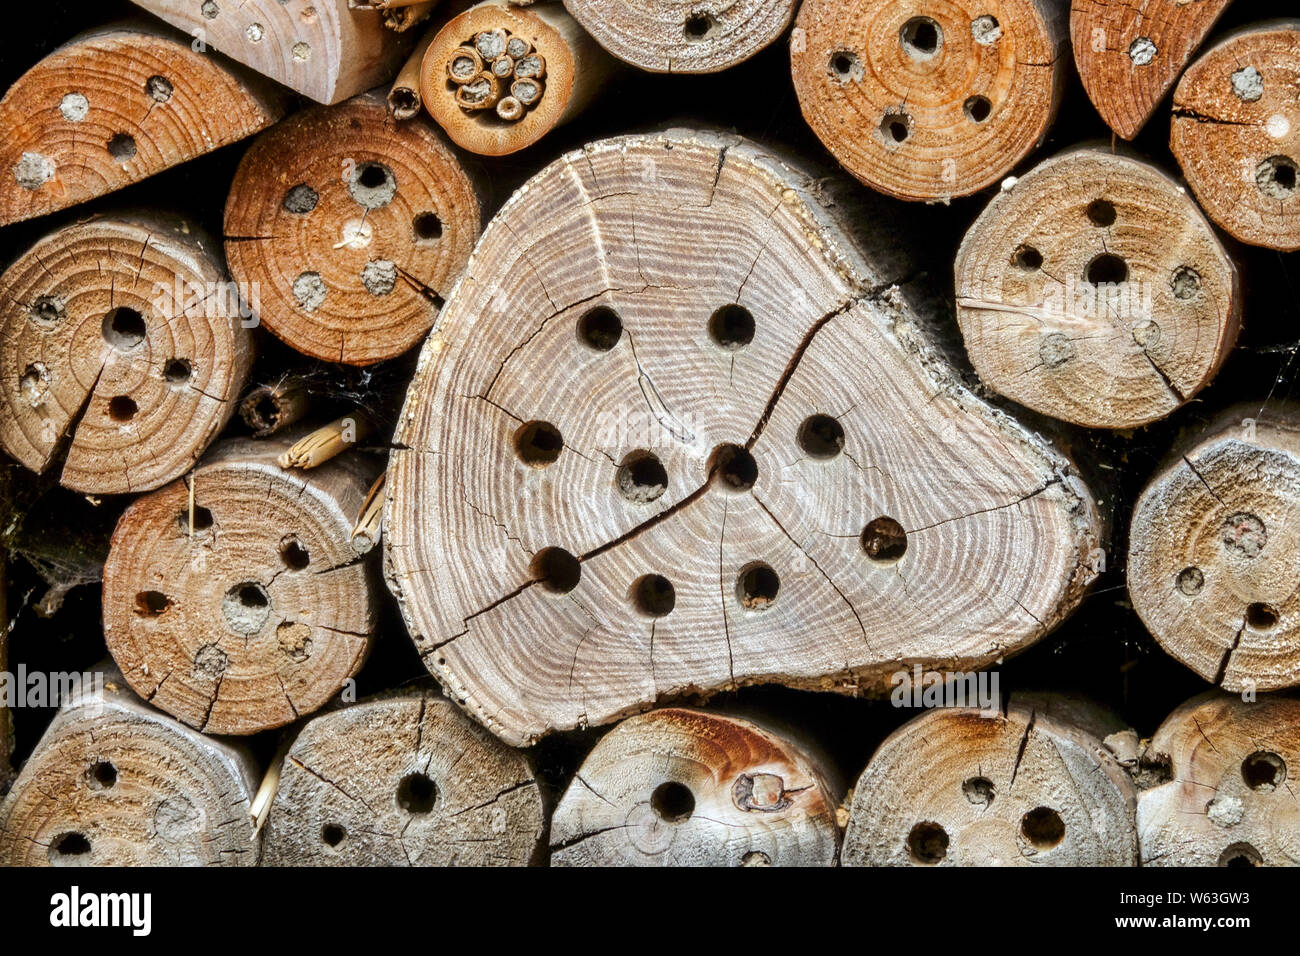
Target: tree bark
x,y
1236,133
318,48
1095,291
558,71
244,606
114,106
123,352
1228,801
673,331
683,36
929,99
352,228
1213,549
958,787
1129,54
113,782
404,780
682,787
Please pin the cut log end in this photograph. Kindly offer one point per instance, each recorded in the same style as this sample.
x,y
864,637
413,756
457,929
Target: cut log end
x,y
228,627
403,781
928,99
1096,292
687,788
1213,549
1230,799
958,787
124,351
351,228
1236,133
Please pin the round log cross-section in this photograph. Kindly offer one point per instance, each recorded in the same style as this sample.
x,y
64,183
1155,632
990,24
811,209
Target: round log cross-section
x,y
123,352
352,228
930,99
958,787
687,788
405,780
233,599
672,435
1096,291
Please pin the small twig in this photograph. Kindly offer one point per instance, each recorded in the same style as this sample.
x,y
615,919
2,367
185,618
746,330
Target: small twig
x,y
370,522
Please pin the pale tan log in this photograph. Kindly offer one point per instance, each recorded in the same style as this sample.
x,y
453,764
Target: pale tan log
x,y
1236,133
930,99
318,47
575,69
1095,291
1213,550
675,433
683,36
405,780
404,98
113,782
680,787
267,409
114,106
124,345
1129,54
352,227
244,606
959,787
1230,797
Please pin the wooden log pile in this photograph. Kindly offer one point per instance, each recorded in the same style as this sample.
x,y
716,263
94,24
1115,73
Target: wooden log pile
x,y
515,452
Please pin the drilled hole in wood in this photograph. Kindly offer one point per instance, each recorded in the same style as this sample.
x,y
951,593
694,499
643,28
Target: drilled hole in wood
x,y
757,586
159,88
331,834
1028,258
1042,827
1241,854
1263,770
1276,177
672,802
845,64
1186,283
293,554
557,570
732,327
47,312
1261,617
427,225
883,539
246,607
122,408
733,468
416,793
538,444
1106,269
1142,51
102,775
209,9
123,328
178,371
68,845
1101,213
301,199
821,437
699,25
641,478
977,108
654,595
927,843
373,185
921,38
986,30
978,790
122,147
202,519
151,603
896,127
1190,580
600,328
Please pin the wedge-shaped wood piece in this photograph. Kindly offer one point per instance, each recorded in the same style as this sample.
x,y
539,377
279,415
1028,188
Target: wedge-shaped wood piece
x,y
683,36
352,228
320,48
675,433
404,780
1130,54
930,99
113,782
498,77
115,106
233,598
964,787
123,352
1096,291
1213,550
682,787
1230,798
1236,133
